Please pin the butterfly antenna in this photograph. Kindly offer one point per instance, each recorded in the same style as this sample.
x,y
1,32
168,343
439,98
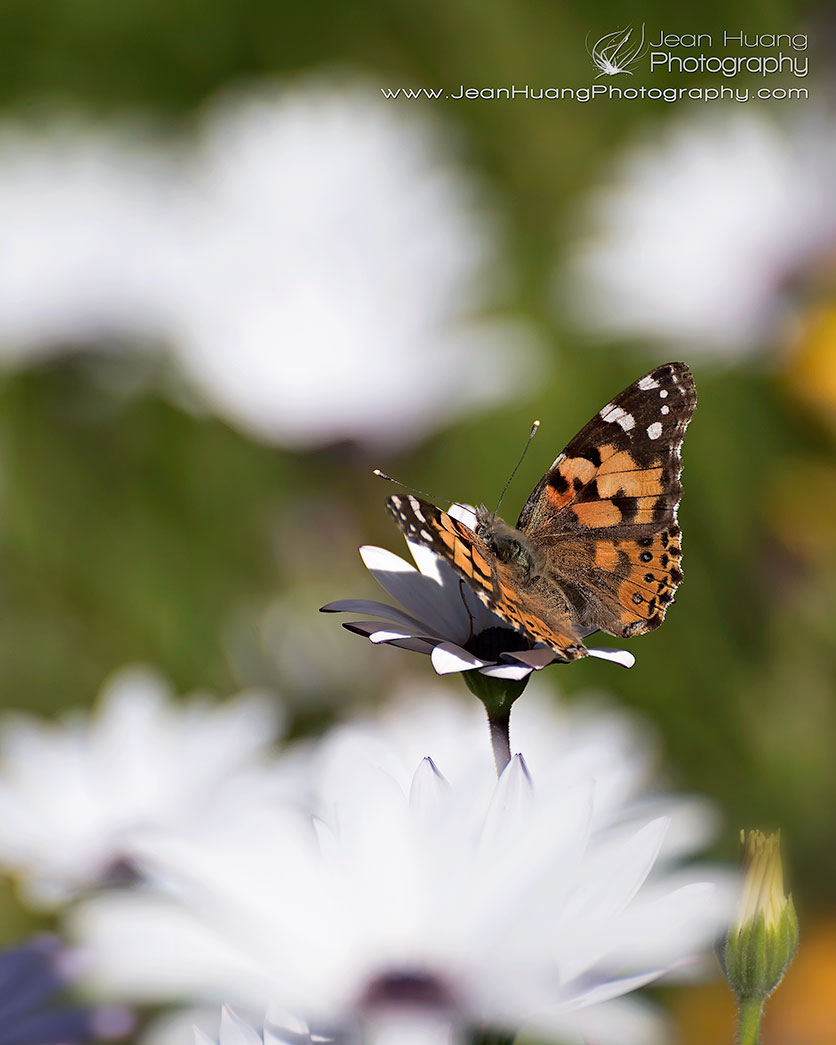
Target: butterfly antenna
x,y
531,435
414,489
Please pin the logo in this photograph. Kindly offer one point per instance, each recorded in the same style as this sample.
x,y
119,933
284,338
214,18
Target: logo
x,y
616,52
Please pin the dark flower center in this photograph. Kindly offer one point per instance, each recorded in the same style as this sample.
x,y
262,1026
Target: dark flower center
x,y
492,642
409,987
120,872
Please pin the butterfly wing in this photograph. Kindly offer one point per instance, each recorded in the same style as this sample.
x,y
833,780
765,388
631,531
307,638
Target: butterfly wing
x,y
492,581
605,512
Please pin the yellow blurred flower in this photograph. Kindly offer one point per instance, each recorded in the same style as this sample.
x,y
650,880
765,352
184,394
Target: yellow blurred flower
x,y
812,369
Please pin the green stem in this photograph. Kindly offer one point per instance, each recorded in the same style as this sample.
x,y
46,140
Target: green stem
x,y
749,1021
499,723
497,694
485,1037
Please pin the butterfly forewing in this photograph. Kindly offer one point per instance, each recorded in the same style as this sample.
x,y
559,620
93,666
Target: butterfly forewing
x,y
624,465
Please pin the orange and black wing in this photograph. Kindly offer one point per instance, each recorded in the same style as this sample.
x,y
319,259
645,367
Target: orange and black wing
x,y
605,513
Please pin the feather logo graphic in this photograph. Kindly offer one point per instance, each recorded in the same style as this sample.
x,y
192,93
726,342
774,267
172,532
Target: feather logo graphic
x,y
616,52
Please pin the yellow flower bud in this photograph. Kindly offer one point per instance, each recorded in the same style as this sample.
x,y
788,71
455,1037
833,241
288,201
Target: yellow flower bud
x,y
764,937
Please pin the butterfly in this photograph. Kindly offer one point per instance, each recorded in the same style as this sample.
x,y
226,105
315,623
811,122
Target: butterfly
x,y
597,546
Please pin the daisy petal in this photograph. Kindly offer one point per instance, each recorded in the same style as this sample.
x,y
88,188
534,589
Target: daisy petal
x,y
615,656
533,658
447,658
465,513
416,645
372,608
506,671
371,630
389,635
438,606
615,988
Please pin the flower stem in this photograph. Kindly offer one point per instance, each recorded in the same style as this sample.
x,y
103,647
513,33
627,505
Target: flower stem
x,y
749,1021
499,723
497,696
486,1037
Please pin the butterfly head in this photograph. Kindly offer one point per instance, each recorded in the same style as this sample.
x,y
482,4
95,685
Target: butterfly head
x,y
508,545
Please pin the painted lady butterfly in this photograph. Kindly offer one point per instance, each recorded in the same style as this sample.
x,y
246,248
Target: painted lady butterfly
x,y
597,546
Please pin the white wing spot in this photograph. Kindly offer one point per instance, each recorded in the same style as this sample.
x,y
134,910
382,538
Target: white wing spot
x,y
415,504
666,409
647,383
616,416
426,535
654,430
663,394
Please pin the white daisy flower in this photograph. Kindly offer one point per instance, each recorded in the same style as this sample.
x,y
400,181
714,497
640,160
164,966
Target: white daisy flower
x,y
319,267
704,235
75,795
337,264
442,617
84,215
413,913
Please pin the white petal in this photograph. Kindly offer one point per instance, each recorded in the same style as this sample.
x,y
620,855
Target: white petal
x,y
428,789
372,608
284,1028
375,558
614,988
534,658
376,632
506,671
511,800
620,1021
235,1031
465,513
447,658
429,564
616,656
405,1026
382,635
438,607
414,645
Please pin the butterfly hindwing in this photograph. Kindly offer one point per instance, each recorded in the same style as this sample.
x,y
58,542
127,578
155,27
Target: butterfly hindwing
x,y
622,585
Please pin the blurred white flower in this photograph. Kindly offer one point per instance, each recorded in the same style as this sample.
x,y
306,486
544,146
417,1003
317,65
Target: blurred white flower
x,y
562,743
417,904
444,618
84,216
705,232
75,796
336,262
317,264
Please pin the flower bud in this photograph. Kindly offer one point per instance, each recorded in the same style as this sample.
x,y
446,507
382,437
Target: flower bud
x,y
764,937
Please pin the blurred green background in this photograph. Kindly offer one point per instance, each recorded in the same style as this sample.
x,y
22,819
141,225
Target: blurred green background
x,y
134,530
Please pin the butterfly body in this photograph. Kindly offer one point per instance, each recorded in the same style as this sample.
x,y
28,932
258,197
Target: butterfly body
x,y
597,545
510,545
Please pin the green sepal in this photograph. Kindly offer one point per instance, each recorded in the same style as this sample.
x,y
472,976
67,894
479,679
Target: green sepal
x,y
755,957
496,694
